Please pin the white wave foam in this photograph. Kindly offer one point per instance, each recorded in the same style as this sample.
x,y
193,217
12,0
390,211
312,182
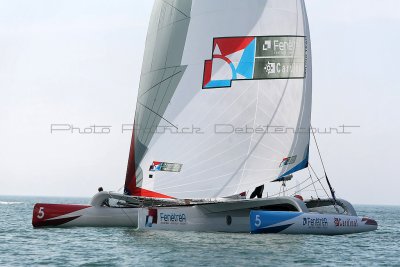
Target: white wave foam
x,y
10,203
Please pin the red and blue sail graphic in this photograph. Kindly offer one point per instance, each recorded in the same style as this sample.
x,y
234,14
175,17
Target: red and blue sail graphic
x,y
254,58
155,166
233,58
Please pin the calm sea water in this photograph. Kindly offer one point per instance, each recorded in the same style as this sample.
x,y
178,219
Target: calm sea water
x,y
21,245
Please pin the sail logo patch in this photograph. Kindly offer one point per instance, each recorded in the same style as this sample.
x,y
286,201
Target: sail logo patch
x,y
345,222
288,161
171,217
165,167
232,59
321,222
254,58
151,217
164,217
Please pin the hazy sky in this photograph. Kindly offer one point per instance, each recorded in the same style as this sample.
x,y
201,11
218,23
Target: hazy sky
x,y
78,62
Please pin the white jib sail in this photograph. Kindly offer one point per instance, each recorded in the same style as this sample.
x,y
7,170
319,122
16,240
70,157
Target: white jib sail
x,y
224,102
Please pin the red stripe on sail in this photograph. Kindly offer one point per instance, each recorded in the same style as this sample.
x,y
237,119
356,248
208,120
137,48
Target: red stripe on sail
x,y
147,193
207,72
231,45
130,180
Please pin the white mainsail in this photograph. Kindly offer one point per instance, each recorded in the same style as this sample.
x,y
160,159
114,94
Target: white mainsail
x,y
224,102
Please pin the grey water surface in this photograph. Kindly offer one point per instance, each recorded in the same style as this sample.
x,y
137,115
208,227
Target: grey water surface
x,y
22,245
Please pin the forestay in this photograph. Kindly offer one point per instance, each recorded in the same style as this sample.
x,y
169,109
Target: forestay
x,y
224,99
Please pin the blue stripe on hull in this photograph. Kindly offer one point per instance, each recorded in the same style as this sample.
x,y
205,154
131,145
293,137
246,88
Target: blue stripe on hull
x,y
271,221
272,230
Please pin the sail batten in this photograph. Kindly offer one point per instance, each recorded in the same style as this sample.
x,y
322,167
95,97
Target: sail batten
x,y
224,87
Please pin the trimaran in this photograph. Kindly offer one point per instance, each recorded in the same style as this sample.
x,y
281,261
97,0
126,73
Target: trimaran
x,y
224,106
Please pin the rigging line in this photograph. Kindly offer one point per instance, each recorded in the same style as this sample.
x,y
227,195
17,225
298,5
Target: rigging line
x,y
301,189
323,166
159,107
319,180
291,187
310,190
158,91
129,218
298,185
154,70
174,7
157,114
160,82
313,182
169,24
121,188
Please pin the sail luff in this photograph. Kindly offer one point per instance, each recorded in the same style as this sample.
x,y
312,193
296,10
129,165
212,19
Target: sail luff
x,y
130,179
161,69
304,122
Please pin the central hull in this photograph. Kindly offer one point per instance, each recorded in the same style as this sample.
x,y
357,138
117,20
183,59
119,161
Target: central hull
x,y
241,216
